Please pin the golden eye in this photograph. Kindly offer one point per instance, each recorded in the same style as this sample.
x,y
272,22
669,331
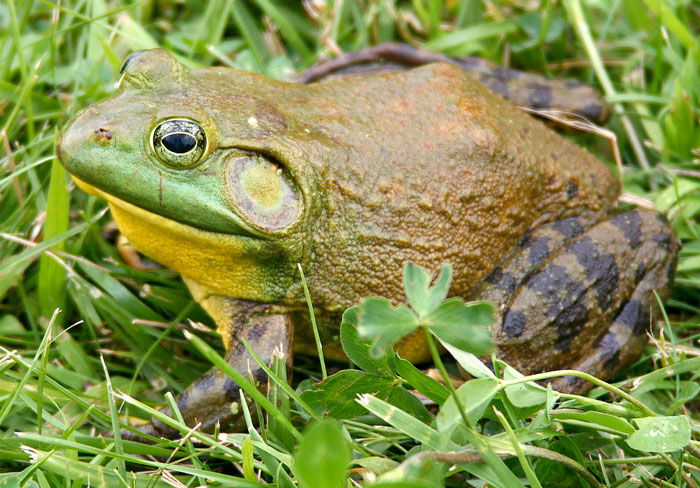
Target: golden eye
x,y
179,143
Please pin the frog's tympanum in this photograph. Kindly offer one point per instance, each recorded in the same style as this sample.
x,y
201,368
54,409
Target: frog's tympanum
x,y
232,179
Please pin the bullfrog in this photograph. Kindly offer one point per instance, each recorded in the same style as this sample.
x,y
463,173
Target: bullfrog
x,y
234,179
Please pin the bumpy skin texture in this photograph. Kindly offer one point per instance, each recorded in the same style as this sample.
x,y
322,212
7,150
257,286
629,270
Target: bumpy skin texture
x,y
523,89
564,280
353,177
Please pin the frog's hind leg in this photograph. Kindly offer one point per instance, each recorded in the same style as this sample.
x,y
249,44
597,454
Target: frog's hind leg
x,y
623,341
575,296
214,398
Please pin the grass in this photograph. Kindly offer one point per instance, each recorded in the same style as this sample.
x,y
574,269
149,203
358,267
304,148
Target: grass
x,y
69,305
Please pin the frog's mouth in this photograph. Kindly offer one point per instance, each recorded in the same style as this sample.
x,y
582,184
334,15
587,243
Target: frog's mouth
x,y
230,265
152,224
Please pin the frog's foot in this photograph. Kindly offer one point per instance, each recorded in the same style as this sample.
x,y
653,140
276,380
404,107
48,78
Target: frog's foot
x,y
582,299
523,89
214,399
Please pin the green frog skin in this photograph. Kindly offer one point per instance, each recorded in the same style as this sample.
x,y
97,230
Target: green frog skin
x,y
232,179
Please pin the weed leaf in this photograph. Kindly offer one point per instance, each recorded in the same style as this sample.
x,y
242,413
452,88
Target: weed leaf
x,y
661,434
386,324
422,382
416,282
464,325
475,396
323,456
358,349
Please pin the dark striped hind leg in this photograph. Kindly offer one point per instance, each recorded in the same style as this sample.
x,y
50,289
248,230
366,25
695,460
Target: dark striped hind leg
x,y
578,297
623,342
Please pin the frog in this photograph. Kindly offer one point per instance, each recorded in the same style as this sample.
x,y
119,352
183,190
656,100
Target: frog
x,y
236,181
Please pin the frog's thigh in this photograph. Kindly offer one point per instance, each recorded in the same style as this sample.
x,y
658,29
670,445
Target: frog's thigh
x,y
587,304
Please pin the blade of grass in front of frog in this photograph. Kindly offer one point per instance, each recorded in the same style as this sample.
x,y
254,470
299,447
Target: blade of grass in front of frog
x,y
317,336
207,351
41,383
30,369
279,382
247,453
71,469
284,385
116,430
184,313
170,399
524,461
179,426
407,424
272,458
109,477
139,453
479,443
279,396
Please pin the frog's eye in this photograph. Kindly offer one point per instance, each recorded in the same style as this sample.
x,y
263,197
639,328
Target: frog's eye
x,y
179,143
263,192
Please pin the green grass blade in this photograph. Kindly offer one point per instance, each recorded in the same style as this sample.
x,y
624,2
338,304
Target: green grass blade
x,y
246,385
52,276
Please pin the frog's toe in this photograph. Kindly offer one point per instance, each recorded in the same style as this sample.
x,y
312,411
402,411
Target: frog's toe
x,y
140,435
155,428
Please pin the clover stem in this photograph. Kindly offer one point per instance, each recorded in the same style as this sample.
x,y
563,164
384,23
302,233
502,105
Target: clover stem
x,y
446,377
480,444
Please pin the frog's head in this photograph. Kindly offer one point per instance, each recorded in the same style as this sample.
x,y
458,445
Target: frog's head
x,y
190,181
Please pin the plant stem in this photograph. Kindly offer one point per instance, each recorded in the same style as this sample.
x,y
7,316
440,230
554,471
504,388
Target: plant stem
x,y
314,327
496,463
572,372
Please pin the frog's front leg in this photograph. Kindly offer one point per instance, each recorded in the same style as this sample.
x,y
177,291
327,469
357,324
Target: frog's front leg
x,y
214,398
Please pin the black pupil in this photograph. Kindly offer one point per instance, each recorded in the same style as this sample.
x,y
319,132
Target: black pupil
x,y
179,143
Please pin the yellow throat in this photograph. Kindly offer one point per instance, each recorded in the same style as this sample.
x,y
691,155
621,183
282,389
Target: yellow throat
x,y
217,263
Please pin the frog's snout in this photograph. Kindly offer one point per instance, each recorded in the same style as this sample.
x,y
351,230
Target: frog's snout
x,y
80,141
61,153
103,136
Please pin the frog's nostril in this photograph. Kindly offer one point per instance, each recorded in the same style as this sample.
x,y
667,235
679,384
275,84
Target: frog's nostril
x,y
103,135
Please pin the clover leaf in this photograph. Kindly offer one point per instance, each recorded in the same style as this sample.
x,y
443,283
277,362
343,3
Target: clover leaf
x,y
463,325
